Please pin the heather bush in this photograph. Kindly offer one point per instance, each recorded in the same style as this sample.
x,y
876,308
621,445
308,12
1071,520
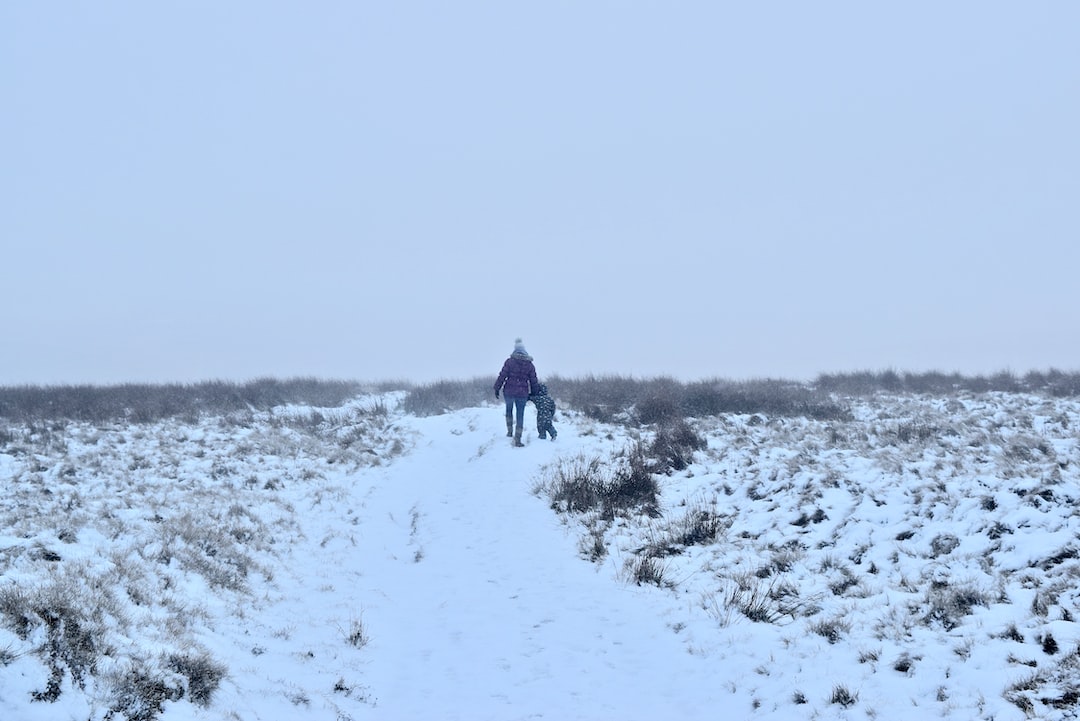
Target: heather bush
x,y
140,694
74,621
647,570
767,397
71,623
445,396
659,400
663,399
1054,687
614,486
145,403
862,383
831,629
575,485
602,398
748,595
698,526
948,604
844,696
357,634
674,445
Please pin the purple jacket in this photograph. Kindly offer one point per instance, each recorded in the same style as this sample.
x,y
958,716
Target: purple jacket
x,y
518,376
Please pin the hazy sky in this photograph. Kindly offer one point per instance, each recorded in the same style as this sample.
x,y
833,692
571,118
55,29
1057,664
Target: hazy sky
x,y
384,190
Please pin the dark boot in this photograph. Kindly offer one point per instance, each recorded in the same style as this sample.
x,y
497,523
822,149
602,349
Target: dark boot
x,y
517,438
509,427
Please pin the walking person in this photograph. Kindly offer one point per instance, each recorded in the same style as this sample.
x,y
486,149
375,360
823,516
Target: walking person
x,y
516,381
545,412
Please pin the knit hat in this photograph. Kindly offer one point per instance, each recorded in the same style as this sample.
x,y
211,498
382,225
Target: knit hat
x,y
519,346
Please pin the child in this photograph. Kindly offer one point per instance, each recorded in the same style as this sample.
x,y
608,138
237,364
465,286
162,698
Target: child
x,y
545,412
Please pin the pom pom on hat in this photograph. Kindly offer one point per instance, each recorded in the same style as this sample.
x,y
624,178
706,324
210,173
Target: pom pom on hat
x,y
519,345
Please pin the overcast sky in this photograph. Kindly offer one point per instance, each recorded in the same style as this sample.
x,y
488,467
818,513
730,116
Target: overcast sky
x,y
396,190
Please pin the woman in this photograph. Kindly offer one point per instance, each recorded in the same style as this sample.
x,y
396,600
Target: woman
x,y
517,381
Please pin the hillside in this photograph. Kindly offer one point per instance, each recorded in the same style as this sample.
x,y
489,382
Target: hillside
x,y
836,556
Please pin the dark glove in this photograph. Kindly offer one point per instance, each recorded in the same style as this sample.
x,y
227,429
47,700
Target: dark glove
x,y
496,395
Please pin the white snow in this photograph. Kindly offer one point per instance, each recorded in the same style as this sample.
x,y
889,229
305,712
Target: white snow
x,y
362,565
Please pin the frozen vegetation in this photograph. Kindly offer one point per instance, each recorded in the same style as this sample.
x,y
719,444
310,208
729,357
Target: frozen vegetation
x,y
868,546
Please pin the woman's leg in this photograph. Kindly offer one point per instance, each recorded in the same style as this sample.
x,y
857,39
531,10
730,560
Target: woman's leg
x,y
519,403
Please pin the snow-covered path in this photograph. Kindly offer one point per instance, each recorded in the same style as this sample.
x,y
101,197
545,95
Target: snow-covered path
x,y
478,606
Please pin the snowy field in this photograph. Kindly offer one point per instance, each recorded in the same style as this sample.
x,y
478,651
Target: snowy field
x,y
917,559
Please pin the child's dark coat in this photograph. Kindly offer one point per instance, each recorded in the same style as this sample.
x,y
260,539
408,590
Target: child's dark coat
x,y
545,412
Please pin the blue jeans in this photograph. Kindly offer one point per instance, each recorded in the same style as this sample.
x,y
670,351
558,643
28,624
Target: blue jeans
x,y
518,403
